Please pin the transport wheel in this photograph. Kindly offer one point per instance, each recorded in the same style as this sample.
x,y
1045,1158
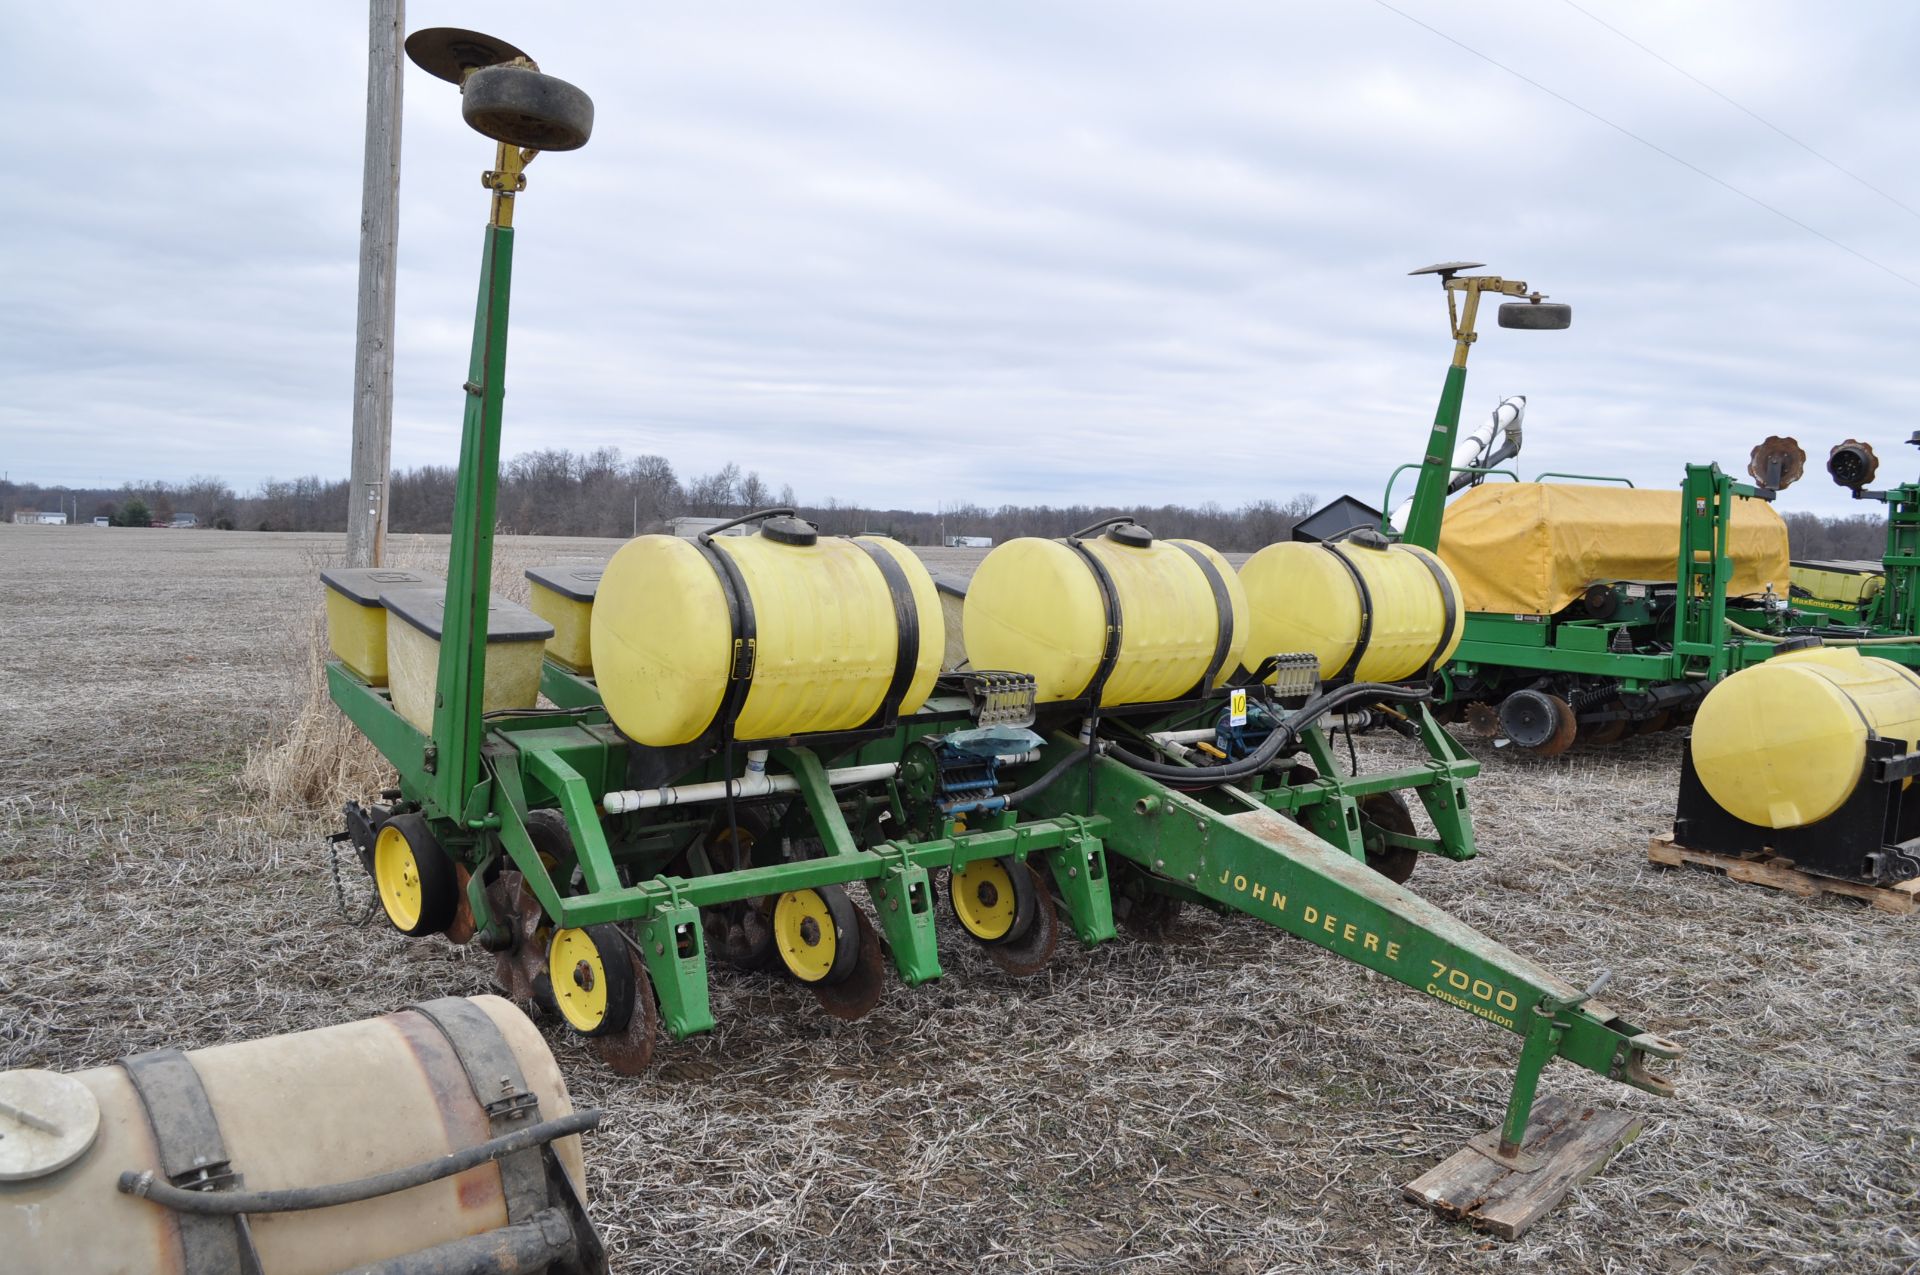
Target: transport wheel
x,y
1029,953
1388,812
858,994
993,899
739,933
1542,724
817,934
591,970
523,107
418,887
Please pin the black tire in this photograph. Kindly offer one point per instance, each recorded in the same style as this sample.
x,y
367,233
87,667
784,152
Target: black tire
x,y
1533,316
1541,723
523,107
616,964
439,885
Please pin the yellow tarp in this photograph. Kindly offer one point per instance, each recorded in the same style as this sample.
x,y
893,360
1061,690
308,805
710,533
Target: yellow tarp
x,y
1532,548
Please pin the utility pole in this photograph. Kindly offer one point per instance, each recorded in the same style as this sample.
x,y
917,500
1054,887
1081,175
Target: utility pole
x,y
379,230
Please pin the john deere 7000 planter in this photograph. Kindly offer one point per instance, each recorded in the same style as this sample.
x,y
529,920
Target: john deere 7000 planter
x,y
742,728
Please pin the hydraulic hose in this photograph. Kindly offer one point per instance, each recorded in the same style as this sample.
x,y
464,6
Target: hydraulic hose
x,y
1045,781
296,1199
1775,639
1285,733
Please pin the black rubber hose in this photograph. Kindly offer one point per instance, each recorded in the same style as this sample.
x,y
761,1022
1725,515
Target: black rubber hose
x,y
1284,733
299,1199
1045,781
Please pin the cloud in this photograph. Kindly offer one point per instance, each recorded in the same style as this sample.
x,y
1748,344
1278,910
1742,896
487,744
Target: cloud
x,y
988,252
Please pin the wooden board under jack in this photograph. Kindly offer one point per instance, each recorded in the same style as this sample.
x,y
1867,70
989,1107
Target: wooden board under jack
x,y
1780,874
1566,1144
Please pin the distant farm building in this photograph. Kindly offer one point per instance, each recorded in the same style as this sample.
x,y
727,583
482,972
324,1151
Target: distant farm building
x,y
184,520
969,542
41,518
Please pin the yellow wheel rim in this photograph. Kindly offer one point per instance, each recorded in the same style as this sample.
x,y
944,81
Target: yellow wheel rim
x,y
397,874
983,899
579,978
803,931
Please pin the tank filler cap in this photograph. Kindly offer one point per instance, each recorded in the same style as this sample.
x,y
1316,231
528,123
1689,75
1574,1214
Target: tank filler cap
x,y
47,1121
1368,538
789,530
1130,534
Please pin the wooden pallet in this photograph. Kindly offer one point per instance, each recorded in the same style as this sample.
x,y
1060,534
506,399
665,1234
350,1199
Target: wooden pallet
x,y
1780,874
1566,1144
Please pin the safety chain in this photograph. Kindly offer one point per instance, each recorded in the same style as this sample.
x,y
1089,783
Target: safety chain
x,y
340,888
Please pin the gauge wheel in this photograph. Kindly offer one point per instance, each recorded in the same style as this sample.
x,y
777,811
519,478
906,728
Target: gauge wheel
x,y
993,899
419,890
591,972
816,931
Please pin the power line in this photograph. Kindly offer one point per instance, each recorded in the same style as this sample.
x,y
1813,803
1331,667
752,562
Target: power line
x,y
1661,150
1831,163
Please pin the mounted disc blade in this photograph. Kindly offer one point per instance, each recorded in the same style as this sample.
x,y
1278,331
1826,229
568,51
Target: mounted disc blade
x,y
629,1051
856,995
1029,954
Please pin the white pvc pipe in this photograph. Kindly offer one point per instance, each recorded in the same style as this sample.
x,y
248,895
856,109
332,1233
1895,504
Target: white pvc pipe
x,y
1183,736
755,783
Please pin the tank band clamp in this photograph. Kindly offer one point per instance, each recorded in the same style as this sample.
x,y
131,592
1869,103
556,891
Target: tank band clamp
x,y
501,1090
193,1156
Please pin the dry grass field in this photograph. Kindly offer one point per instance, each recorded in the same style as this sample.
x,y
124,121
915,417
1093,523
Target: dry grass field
x,y
1232,1100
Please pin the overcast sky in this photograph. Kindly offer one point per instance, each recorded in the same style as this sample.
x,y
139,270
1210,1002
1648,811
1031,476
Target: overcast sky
x,y
905,253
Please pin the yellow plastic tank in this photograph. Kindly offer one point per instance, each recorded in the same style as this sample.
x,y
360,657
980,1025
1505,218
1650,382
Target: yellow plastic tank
x,y
1781,744
515,637
1839,583
826,644
1308,597
1036,606
357,623
563,597
303,1110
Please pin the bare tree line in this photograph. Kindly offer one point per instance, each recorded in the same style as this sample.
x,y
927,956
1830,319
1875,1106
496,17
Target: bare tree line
x,y
556,492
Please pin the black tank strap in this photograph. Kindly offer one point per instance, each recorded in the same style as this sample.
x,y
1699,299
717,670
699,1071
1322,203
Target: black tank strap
x,y
1223,615
745,633
1365,597
1110,599
1449,606
500,1088
193,1155
906,625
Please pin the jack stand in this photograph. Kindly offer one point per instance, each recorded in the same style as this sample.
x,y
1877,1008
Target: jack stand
x,y
1505,1180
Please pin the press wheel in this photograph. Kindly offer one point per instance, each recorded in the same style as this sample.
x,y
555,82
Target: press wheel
x,y
419,890
1660,721
1029,953
741,932
1601,733
1388,812
993,899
